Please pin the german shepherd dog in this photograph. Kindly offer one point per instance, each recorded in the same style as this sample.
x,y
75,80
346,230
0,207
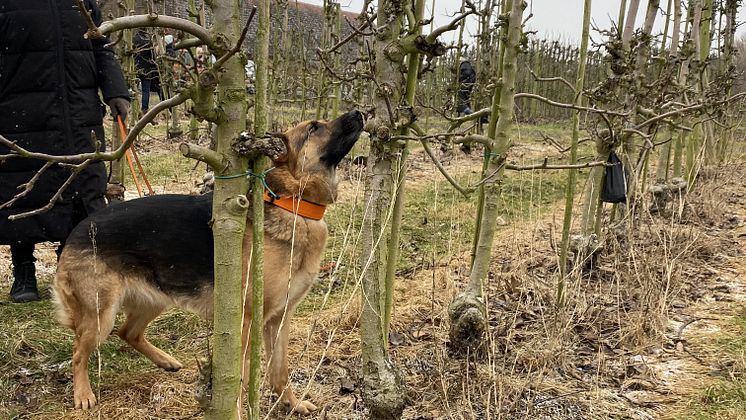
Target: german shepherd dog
x,y
145,255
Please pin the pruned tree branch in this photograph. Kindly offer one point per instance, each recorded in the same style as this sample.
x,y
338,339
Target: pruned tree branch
x,y
18,151
153,20
217,161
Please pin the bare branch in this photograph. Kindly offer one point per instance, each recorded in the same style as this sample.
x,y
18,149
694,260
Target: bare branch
x,y
355,32
547,166
570,106
188,43
87,15
553,79
452,25
18,151
27,187
153,20
684,110
76,169
443,171
457,122
216,160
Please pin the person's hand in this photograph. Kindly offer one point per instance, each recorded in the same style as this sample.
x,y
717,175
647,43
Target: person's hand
x,y
119,106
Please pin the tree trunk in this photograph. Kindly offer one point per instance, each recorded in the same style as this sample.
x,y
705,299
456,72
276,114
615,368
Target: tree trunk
x,y
693,145
466,312
229,222
258,165
664,157
126,56
382,383
629,149
572,173
629,23
413,67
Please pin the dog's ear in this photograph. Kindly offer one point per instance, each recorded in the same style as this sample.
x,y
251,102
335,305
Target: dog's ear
x,y
280,147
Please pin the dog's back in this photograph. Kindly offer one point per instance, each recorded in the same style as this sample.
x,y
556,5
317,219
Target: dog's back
x,y
165,239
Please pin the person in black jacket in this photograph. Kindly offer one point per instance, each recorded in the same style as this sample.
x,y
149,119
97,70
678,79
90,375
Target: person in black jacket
x,y
147,70
466,79
50,77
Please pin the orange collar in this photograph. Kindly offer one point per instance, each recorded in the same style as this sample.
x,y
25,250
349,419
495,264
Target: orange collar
x,y
297,206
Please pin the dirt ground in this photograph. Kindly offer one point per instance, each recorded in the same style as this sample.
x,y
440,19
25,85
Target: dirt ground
x,y
639,337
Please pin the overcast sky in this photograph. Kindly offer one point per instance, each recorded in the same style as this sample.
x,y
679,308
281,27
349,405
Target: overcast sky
x,y
552,19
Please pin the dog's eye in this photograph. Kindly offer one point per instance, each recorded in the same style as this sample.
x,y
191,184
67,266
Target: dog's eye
x,y
313,127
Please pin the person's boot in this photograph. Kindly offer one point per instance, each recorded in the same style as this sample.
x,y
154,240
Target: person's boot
x,y
24,287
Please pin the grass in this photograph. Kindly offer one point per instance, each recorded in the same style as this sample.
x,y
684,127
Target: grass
x,y
35,355
725,396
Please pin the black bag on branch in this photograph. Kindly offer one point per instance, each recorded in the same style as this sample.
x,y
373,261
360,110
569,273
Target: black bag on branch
x,y
615,181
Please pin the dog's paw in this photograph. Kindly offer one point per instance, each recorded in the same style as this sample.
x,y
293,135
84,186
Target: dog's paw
x,y
84,399
303,407
169,364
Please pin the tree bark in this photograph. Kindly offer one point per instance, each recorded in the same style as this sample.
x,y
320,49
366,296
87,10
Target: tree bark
x,y
413,67
258,165
572,173
466,312
229,222
382,382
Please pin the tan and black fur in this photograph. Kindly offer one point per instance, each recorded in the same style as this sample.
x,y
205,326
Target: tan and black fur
x,y
146,255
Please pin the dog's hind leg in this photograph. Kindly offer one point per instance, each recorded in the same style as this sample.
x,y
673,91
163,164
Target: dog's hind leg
x,y
89,308
91,330
276,332
133,332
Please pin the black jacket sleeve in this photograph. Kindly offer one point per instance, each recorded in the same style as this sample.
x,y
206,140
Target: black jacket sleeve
x,y
108,72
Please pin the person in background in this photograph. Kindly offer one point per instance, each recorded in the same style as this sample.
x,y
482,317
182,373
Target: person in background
x,y
147,71
466,79
50,79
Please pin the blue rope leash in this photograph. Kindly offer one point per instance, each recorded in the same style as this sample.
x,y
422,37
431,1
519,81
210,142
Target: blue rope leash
x,y
248,174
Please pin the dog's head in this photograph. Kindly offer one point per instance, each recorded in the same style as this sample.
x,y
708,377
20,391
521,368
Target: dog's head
x,y
314,149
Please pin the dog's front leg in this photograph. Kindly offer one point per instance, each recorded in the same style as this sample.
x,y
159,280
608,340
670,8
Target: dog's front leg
x,y
278,329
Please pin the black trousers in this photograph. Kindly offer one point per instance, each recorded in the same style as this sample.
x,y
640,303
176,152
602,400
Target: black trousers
x,y
24,252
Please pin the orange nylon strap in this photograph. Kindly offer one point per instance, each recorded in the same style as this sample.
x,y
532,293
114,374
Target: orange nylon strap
x,y
130,153
300,207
